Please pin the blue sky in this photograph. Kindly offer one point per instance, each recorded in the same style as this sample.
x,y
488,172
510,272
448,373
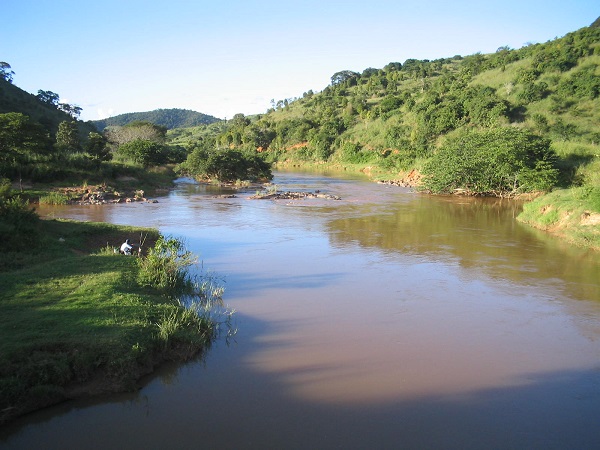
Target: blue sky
x,y
226,57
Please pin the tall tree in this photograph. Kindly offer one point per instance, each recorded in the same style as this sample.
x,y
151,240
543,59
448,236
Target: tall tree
x,y
6,72
67,137
344,75
49,97
138,130
97,148
21,142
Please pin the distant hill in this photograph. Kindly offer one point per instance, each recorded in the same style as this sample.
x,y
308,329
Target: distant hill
x,y
169,118
15,99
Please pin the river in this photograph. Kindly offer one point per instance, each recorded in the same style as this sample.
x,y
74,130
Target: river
x,y
387,319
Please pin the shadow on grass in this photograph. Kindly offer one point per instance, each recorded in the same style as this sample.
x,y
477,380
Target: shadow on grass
x,y
568,167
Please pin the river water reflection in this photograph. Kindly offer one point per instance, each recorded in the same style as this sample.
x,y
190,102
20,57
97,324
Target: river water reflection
x,y
386,319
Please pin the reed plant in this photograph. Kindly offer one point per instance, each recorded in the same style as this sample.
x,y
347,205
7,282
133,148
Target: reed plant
x,y
53,198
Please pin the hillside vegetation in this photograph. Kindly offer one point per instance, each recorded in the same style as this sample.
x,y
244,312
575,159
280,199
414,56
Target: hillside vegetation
x,y
41,109
168,118
511,122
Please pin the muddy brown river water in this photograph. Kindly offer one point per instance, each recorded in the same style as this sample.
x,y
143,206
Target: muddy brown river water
x,y
384,320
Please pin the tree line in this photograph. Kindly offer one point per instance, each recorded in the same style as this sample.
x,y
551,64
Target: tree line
x,y
515,106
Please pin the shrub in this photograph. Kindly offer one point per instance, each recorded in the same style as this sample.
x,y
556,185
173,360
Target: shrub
x,y
18,225
226,165
145,152
166,267
498,162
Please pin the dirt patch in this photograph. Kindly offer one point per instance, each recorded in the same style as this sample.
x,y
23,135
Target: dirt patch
x,y
590,219
411,179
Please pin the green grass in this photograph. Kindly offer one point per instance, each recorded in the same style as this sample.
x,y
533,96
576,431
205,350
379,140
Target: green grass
x,y
74,314
53,198
573,214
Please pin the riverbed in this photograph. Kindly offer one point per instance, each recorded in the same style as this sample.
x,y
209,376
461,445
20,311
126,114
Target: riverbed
x,y
384,319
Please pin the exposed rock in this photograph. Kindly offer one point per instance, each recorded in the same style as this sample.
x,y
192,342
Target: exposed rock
x,y
292,196
100,195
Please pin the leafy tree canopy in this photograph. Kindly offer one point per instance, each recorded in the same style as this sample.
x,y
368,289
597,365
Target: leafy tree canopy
x,y
5,71
21,141
145,152
225,165
342,76
498,161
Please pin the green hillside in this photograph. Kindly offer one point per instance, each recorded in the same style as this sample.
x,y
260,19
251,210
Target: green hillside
x,y
168,118
512,122
15,99
394,118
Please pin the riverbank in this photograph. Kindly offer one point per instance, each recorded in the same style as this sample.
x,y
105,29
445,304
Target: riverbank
x,y
570,214
75,321
129,184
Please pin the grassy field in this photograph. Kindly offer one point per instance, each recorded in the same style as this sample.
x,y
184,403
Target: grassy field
x,y
76,321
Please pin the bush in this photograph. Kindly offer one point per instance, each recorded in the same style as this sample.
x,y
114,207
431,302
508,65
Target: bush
x,y
166,267
497,162
145,152
226,165
354,154
18,225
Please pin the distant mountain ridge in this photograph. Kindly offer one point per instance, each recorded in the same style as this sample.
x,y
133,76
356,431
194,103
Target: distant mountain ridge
x,y
169,118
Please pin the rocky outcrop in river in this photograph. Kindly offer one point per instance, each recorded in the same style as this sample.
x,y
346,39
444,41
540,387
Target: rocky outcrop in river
x,y
293,196
100,195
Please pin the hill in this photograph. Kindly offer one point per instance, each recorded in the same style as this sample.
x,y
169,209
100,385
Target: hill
x,y
514,121
396,117
169,118
15,99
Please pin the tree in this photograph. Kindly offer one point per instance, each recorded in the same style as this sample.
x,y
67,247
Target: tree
x,y
97,148
145,152
138,130
226,165
49,97
342,76
67,137
73,110
5,71
492,162
392,67
21,142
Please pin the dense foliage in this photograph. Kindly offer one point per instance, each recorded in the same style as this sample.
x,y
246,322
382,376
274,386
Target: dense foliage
x,y
413,115
498,162
168,118
18,222
225,165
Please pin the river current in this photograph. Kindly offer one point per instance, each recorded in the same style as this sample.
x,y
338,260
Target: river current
x,y
385,319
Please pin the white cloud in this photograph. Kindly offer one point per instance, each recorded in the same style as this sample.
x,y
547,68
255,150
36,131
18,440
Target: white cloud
x,y
105,114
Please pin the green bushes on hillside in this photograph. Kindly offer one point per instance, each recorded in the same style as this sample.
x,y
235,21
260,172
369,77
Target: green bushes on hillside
x,y
500,161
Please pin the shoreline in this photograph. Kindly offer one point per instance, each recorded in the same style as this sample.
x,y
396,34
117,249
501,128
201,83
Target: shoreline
x,y
75,322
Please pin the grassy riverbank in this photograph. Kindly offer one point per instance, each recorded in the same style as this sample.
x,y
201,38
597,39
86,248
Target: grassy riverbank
x,y
571,214
75,320
125,179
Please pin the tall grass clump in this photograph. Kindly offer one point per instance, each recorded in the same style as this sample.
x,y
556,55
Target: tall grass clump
x,y
166,267
53,198
200,297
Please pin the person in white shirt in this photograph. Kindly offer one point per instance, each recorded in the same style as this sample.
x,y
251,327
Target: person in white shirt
x,y
126,248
